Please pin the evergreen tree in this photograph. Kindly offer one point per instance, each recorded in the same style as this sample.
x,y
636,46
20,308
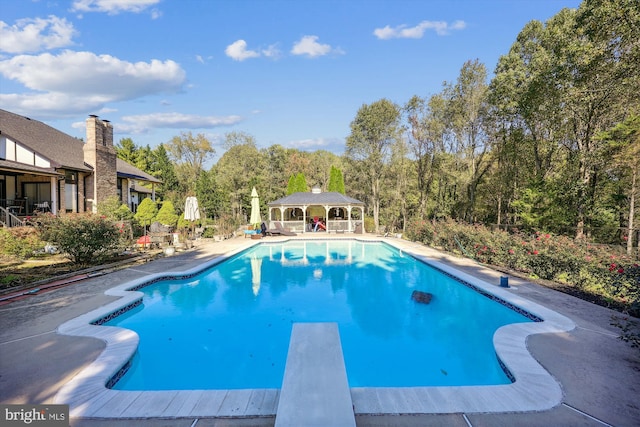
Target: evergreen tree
x,y
336,181
167,214
291,186
301,183
147,211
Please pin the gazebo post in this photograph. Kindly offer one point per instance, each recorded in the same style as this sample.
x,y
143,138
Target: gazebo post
x,y
304,218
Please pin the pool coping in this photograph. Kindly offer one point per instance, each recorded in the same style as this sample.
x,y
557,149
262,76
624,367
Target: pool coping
x,y
534,388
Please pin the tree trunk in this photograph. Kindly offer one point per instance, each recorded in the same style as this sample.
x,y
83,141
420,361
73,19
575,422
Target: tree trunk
x,y
631,212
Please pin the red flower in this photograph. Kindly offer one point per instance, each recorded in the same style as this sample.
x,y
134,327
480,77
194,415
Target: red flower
x,y
547,236
621,270
511,251
535,252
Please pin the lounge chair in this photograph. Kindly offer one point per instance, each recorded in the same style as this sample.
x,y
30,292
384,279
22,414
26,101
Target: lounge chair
x,y
279,230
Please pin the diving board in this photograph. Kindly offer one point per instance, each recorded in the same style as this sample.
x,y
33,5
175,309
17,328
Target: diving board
x,y
315,390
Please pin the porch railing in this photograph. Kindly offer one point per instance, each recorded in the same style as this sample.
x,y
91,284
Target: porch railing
x,y
333,226
22,207
8,219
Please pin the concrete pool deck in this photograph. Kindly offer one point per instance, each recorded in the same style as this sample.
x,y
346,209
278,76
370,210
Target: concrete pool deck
x,y
598,374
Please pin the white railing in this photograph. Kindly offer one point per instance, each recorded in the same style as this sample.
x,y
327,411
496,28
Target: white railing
x,y
8,219
333,226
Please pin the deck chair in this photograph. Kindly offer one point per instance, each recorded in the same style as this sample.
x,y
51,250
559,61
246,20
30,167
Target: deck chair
x,y
279,230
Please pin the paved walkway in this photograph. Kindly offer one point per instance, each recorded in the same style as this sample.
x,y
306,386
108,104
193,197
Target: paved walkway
x,y
599,374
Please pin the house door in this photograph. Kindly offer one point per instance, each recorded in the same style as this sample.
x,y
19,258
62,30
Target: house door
x,y
37,193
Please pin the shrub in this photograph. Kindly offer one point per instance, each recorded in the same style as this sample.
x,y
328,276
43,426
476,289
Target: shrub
x,y
369,224
21,242
167,214
596,269
146,213
84,238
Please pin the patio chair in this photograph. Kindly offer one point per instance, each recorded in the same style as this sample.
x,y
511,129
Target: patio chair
x,y
43,207
279,230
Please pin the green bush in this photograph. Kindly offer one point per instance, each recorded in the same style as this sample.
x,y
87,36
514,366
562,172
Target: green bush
x,y
114,209
167,214
146,213
84,238
21,242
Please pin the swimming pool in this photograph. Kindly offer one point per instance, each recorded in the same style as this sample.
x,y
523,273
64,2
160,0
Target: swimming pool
x,y
88,396
235,319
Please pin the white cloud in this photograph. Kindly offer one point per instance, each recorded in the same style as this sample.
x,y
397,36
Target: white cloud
x,y
334,145
238,51
309,46
34,35
143,123
84,81
50,105
441,28
113,7
272,52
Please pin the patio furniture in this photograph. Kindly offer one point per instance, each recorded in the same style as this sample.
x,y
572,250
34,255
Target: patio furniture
x,y
279,230
43,207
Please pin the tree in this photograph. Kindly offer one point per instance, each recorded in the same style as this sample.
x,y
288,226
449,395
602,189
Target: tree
x,y
127,150
319,170
336,181
624,146
239,169
300,183
291,185
373,130
189,153
167,214
210,197
162,168
398,199
467,111
147,211
425,139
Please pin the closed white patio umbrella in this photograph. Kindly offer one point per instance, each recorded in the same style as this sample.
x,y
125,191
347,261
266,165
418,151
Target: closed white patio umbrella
x,y
191,211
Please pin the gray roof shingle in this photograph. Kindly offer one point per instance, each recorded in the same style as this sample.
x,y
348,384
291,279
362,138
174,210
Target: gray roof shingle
x,y
64,151
309,198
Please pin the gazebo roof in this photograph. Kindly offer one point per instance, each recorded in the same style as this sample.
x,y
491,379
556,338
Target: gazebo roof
x,y
310,198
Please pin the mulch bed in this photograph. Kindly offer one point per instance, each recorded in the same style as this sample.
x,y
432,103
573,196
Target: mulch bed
x,y
16,275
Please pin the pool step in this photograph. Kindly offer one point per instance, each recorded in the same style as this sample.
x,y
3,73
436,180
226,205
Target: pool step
x,y
315,390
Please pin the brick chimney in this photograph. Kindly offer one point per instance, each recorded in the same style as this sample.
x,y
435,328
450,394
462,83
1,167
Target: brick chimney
x,y
100,154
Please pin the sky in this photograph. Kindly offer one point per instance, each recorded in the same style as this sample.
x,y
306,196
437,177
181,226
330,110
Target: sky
x,y
287,72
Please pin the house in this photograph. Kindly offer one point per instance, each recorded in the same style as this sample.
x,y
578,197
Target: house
x,y
44,169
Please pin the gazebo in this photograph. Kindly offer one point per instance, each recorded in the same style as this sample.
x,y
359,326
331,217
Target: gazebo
x,y
339,213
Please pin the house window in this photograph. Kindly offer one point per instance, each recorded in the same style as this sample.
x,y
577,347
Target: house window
x,y
119,188
71,191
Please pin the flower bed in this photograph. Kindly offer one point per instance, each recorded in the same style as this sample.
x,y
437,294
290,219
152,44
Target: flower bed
x,y
604,273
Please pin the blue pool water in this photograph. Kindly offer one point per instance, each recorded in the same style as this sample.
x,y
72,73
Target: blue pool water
x,y
229,326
